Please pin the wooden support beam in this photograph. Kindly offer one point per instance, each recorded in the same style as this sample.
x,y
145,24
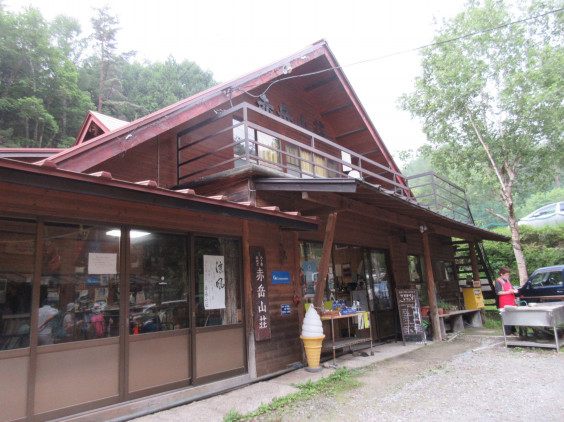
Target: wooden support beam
x,y
339,203
249,328
474,261
352,132
316,85
336,109
433,310
297,280
325,258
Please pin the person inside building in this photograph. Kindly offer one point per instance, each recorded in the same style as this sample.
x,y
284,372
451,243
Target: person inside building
x,y
45,331
506,294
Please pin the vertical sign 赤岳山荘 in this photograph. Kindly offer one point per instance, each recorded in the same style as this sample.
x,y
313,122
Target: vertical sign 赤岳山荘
x,y
259,281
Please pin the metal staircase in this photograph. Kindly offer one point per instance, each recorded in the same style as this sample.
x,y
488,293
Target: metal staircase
x,y
464,267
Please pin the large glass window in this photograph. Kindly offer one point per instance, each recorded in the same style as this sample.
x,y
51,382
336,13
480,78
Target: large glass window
x,y
218,281
240,148
17,254
80,295
416,269
320,166
306,161
380,278
267,149
445,271
292,160
158,292
310,259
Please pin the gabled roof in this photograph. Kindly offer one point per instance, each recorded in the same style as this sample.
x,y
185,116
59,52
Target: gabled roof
x,y
316,62
96,124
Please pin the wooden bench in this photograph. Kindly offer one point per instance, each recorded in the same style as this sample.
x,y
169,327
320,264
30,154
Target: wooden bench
x,y
474,317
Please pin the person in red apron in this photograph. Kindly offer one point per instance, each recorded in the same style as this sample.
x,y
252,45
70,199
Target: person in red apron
x,y
506,294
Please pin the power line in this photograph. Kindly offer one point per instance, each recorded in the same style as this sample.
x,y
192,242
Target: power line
x,y
434,44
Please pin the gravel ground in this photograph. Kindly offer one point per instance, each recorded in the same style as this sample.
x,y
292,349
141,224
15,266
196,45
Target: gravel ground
x,y
467,379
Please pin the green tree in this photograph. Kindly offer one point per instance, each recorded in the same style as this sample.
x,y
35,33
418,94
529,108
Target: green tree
x,y
492,103
108,62
152,86
40,102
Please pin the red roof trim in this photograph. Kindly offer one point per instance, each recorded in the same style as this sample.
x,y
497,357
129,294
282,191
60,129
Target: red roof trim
x,y
198,103
104,179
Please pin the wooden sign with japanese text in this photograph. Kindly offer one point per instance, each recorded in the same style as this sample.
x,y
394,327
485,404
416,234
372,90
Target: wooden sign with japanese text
x,y
259,282
410,315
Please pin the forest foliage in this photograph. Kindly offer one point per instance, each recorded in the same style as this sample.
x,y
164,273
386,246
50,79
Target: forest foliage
x,y
51,75
543,247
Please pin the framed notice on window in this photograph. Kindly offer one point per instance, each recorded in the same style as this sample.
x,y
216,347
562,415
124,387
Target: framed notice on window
x,y
214,282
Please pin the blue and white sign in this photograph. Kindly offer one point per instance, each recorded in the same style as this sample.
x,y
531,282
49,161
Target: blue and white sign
x,y
280,277
285,309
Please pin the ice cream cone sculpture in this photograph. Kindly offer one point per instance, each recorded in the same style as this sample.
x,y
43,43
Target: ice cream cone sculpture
x,y
312,347
312,336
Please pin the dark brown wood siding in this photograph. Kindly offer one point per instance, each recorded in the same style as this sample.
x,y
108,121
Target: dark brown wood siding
x,y
284,348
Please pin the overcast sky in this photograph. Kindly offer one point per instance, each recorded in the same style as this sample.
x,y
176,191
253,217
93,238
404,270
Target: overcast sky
x,y
232,38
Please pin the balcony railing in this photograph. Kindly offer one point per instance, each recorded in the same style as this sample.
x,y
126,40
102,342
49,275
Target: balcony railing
x,y
246,135
441,196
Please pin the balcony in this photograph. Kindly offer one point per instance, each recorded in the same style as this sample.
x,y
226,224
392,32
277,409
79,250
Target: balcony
x,y
246,136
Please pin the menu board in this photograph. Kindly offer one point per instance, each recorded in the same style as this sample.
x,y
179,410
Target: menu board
x,y
410,315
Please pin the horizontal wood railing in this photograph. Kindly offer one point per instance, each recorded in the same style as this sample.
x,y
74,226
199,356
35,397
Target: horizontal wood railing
x,y
236,138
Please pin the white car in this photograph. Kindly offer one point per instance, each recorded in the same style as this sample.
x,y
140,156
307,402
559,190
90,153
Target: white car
x,y
549,215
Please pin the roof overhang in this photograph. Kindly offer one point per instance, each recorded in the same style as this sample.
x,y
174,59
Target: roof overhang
x,y
103,185
372,201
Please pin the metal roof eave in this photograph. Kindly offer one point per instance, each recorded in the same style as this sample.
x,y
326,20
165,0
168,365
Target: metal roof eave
x,y
104,186
350,187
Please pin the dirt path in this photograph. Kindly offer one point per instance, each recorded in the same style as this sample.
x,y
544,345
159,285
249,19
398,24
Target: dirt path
x,y
459,380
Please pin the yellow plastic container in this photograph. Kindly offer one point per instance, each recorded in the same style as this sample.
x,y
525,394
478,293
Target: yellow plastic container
x,y
473,298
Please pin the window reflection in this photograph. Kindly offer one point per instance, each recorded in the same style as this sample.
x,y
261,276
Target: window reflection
x,y
79,296
17,253
218,281
158,293
382,297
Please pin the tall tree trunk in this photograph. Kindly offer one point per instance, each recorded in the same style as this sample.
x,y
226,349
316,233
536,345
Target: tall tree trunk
x,y
516,243
101,87
63,130
506,178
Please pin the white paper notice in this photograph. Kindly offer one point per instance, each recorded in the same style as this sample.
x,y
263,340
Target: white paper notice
x,y
214,282
102,263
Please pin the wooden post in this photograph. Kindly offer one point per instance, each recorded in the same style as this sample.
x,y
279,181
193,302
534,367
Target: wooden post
x,y
325,258
298,288
251,360
433,311
474,261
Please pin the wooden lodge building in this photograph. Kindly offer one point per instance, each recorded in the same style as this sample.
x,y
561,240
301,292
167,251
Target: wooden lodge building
x,y
176,253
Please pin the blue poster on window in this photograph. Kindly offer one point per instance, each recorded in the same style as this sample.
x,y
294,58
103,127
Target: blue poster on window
x,y
280,277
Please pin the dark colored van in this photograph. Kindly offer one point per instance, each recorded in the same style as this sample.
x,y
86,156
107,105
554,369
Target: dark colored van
x,y
544,285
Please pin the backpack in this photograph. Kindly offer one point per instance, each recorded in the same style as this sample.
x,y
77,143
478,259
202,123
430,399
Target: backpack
x,y
57,326
98,326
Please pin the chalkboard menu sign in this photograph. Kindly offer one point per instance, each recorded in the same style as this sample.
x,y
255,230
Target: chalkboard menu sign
x,y
410,315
